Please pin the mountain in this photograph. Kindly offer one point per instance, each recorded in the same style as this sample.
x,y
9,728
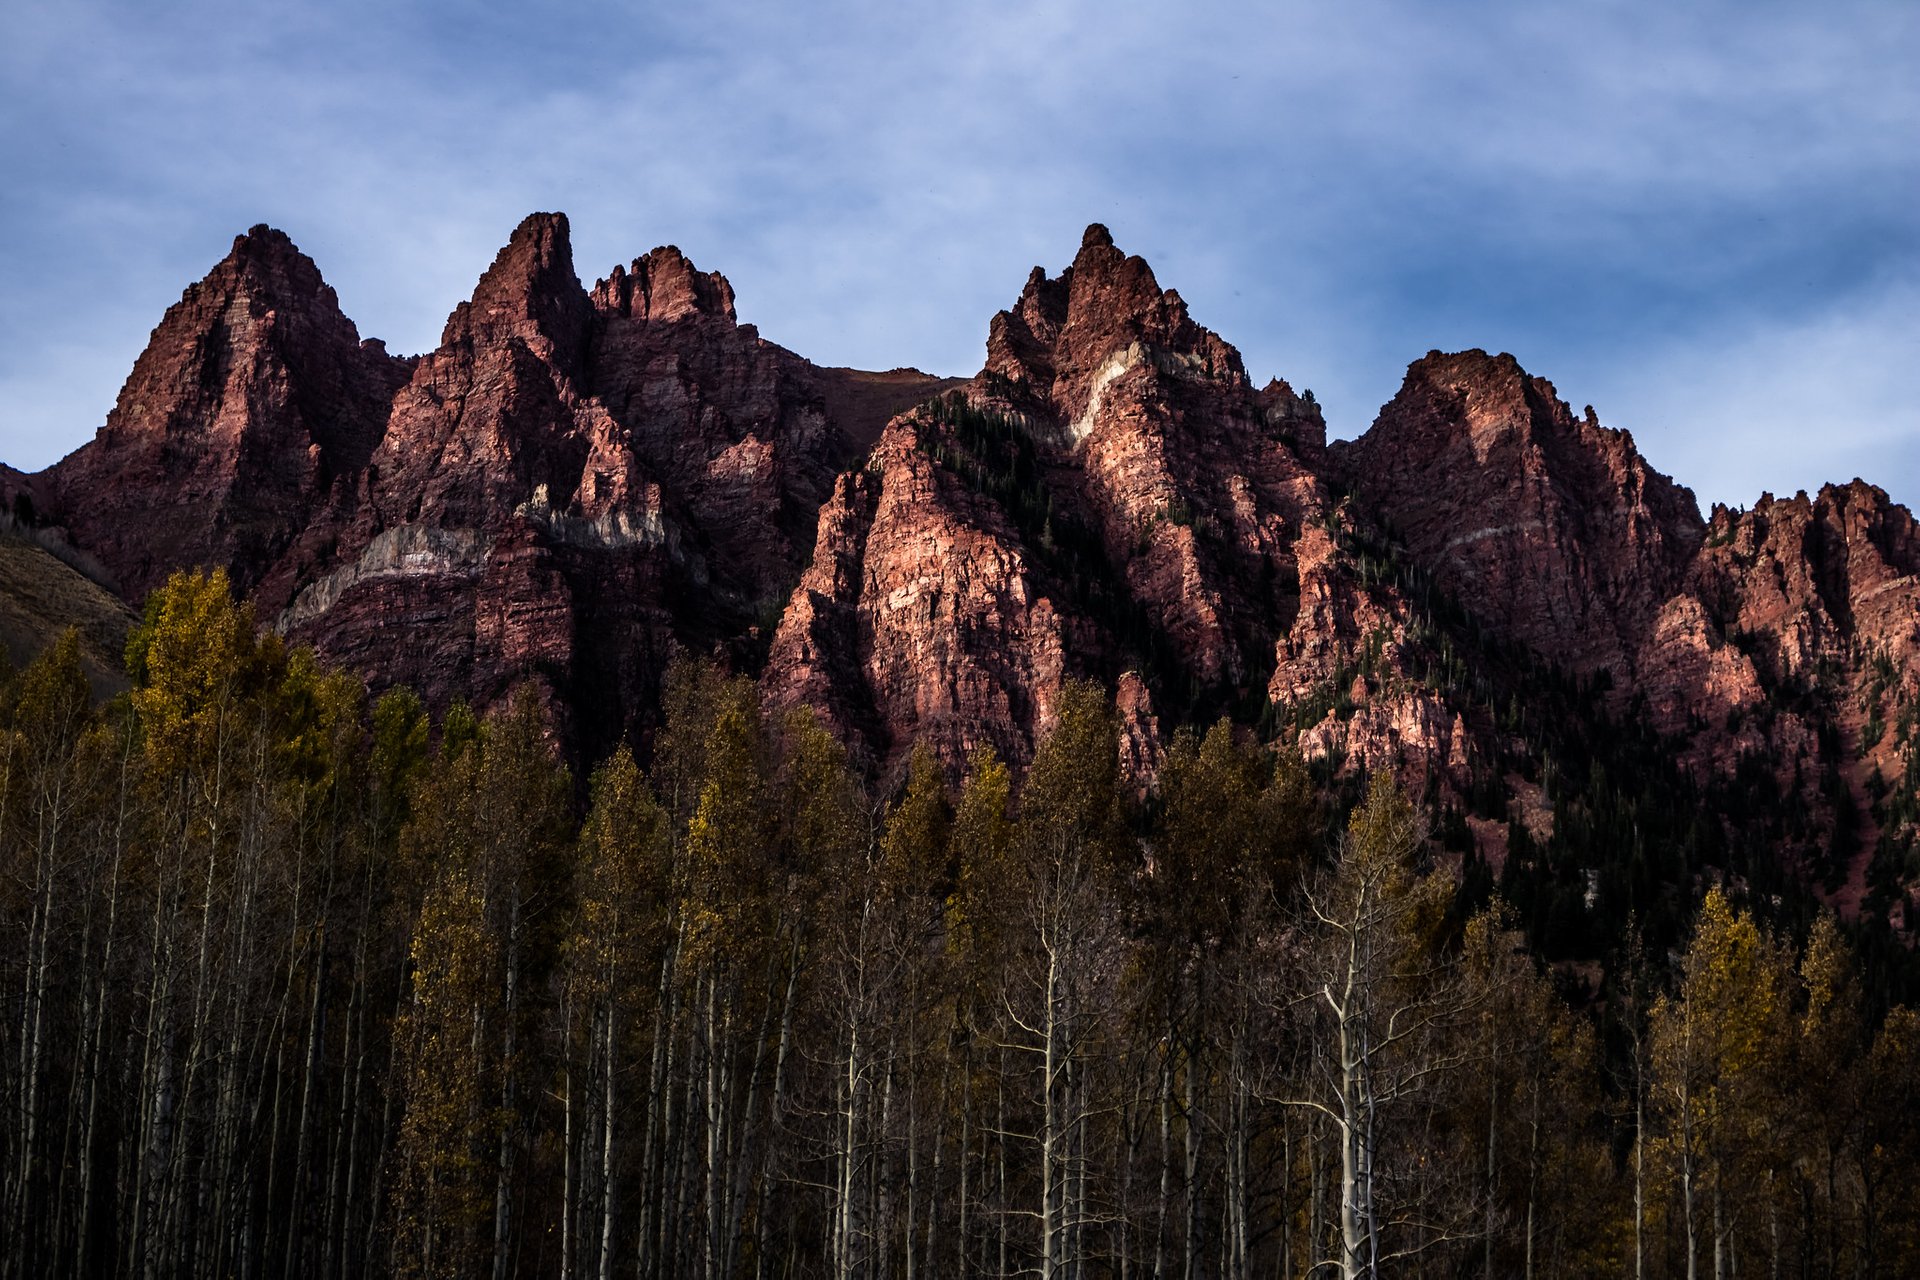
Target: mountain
x,y
254,396
1599,693
571,484
1108,497
1554,526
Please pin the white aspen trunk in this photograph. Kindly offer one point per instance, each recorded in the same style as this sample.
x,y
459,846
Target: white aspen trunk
x,y
1241,1191
172,1216
1639,1174
1000,1148
1050,1178
716,1164
1356,1227
389,1121
33,1014
174,1190
97,1035
1166,1156
476,1124
344,1145
1530,1210
604,1269
1719,1228
33,1023
1773,1227
845,1215
687,1232
1353,1238
966,1163
314,1059
659,1112
343,1160
154,1145
1073,1171
1190,1105
881,1167
913,1188
673,1175
90,1054
58,1213
1686,1182
742,1147
931,1247
1367,1148
567,1175
503,1169
779,1111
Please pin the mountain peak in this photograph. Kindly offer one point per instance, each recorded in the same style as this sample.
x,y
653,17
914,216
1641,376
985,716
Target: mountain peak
x,y
265,266
530,292
1064,329
1555,526
254,393
665,285
261,242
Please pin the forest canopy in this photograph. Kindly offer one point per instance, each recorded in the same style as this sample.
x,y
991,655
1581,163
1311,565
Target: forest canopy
x,y
302,982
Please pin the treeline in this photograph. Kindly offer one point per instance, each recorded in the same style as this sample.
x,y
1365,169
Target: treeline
x,y
299,984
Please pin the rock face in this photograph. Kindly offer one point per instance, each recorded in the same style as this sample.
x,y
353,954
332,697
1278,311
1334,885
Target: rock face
x,y
1821,599
1480,591
572,483
1509,585
1109,495
1826,579
254,397
1554,526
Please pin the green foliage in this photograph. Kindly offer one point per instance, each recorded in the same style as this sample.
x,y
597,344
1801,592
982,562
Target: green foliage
x,y
914,850
1071,800
1234,829
729,843
292,988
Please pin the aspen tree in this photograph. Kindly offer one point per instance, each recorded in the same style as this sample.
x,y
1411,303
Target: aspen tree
x,y
1819,1099
200,672
489,830
978,939
1231,828
1711,1058
55,770
1376,998
913,877
733,898
1060,954
1889,1212
1527,1100
623,881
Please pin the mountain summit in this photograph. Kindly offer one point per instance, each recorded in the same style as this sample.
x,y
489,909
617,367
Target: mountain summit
x,y
1485,592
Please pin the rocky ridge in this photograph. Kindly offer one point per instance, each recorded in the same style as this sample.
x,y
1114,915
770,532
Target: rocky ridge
x,y
253,398
569,485
1485,591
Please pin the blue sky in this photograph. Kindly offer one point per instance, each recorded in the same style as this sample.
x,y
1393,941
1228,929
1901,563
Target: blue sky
x,y
1703,219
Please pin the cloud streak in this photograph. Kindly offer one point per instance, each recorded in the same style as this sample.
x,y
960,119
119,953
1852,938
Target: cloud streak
x,y
1670,205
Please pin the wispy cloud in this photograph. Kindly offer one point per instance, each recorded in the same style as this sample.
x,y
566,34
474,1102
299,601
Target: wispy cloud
x,y
1646,200
1765,405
